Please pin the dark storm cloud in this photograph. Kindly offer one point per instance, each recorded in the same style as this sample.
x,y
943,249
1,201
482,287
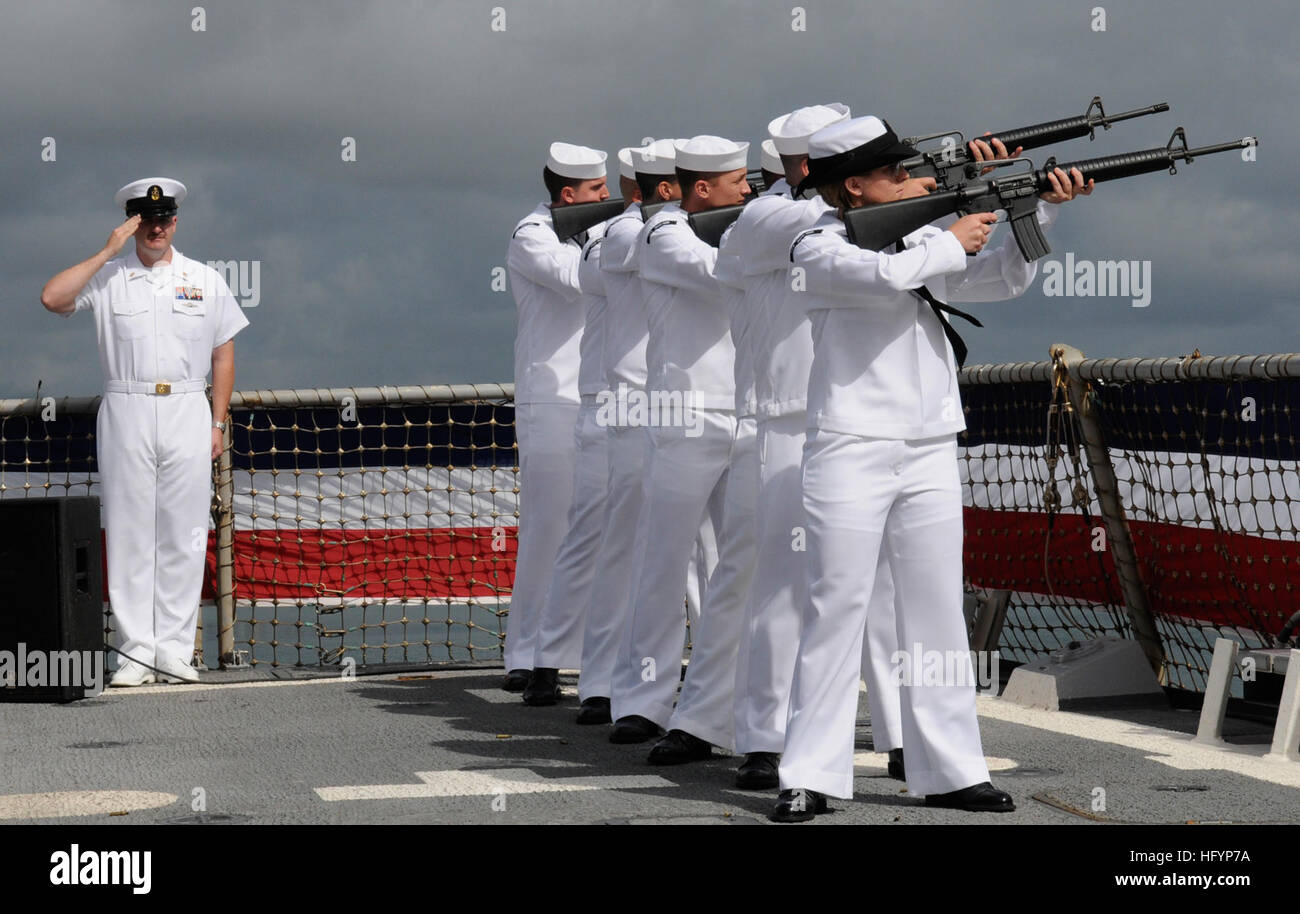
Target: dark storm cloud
x,y
378,271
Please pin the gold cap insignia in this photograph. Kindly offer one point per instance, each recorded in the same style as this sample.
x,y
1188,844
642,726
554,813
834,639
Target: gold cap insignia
x,y
155,192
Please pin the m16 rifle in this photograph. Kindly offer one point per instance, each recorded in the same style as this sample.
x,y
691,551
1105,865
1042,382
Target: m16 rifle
x,y
952,164
878,226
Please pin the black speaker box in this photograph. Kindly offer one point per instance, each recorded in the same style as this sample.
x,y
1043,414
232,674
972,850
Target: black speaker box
x,y
51,593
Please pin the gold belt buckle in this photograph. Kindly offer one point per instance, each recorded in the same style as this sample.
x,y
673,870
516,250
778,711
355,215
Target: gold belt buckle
x,y
162,388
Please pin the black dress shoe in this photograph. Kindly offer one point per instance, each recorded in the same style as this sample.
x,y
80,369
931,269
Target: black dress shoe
x,y
678,748
594,711
896,769
516,680
799,805
977,798
543,688
758,771
634,729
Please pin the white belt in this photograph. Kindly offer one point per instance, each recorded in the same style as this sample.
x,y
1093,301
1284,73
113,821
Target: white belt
x,y
159,388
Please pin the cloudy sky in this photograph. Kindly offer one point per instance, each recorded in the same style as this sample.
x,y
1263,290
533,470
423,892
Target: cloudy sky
x,y
379,271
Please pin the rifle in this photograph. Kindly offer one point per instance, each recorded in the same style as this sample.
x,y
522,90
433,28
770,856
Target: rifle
x,y
578,217
876,227
710,224
953,164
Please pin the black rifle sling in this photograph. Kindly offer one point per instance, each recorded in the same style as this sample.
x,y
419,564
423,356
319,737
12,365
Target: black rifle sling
x,y
958,344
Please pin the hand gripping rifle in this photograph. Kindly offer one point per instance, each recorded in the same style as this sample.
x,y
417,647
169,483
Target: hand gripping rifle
x,y
578,217
953,165
876,227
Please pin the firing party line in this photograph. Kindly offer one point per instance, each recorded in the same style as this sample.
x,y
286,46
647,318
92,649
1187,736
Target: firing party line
x,y
737,404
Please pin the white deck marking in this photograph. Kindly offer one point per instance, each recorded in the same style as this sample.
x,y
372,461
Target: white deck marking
x,y
502,781
63,803
1177,750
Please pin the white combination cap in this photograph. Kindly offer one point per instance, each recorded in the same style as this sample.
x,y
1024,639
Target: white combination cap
x,y
711,153
625,167
658,158
771,161
790,132
579,162
151,196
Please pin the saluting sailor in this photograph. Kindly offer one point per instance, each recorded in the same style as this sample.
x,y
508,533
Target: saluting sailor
x,y
162,321
880,469
543,270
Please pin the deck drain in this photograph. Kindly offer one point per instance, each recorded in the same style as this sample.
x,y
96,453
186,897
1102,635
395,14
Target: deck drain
x,y
1180,788
102,744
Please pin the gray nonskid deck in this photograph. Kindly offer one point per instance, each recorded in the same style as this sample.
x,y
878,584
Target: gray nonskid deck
x,y
449,747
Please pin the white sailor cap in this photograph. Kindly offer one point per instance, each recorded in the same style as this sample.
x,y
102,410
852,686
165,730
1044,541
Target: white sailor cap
x,y
657,158
151,196
625,167
771,161
790,132
579,162
852,147
711,153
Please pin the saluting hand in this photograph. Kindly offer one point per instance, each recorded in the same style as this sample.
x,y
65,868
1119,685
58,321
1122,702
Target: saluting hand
x,y
973,231
121,235
1063,188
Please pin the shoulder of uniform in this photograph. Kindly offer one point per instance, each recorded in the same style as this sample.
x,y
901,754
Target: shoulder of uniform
x,y
661,224
591,246
529,224
806,233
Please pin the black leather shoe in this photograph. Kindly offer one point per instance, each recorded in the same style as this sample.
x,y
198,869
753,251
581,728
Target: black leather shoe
x,y
678,748
758,771
977,798
798,805
543,688
633,729
516,680
896,769
594,711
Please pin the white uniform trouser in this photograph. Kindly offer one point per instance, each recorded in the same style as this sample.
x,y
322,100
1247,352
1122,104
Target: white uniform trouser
x,y
706,708
560,628
686,478
155,471
544,432
862,495
611,592
774,611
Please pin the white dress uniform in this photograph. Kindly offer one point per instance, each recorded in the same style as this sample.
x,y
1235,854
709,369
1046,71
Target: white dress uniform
x,y
157,328
783,354
560,628
880,473
706,707
690,356
544,279
626,335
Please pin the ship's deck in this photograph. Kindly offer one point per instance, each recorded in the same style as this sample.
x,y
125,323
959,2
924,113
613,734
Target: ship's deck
x,y
448,746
